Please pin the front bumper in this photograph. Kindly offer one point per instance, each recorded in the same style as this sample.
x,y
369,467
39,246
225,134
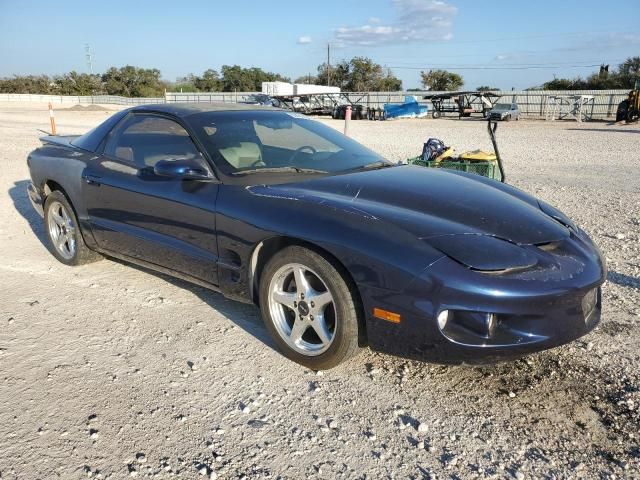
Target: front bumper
x,y
534,311
36,199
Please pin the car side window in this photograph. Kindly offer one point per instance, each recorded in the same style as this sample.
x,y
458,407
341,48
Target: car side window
x,y
144,140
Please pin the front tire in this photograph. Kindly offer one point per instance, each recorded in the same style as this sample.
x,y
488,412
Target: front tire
x,y
65,239
309,308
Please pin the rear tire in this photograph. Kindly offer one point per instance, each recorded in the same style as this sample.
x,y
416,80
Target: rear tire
x,y
436,114
65,239
315,324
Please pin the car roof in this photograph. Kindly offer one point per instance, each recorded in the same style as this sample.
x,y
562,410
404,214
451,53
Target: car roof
x,y
186,109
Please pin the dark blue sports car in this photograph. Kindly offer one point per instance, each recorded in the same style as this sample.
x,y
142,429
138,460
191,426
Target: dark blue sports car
x,y
339,247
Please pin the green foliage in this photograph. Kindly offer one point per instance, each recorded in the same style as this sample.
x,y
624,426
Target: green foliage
x,y
441,80
360,74
130,81
624,77
74,83
485,88
42,84
336,76
208,82
308,79
236,78
184,87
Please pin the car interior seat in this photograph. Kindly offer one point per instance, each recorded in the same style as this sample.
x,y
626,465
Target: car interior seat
x,y
243,154
239,146
125,153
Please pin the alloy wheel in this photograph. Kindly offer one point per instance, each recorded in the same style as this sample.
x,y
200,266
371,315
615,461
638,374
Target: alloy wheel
x,y
302,309
62,230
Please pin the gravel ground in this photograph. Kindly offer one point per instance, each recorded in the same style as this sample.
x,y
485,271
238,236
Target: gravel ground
x,y
110,370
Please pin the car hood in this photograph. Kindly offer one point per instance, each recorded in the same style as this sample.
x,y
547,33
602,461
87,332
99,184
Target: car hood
x,y
430,202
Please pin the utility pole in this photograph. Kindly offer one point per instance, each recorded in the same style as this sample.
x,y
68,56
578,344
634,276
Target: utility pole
x,y
328,64
89,57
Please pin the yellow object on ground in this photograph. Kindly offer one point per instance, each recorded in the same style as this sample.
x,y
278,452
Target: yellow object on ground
x,y
448,154
478,155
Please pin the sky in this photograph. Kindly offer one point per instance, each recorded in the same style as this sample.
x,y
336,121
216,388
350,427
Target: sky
x,y
499,43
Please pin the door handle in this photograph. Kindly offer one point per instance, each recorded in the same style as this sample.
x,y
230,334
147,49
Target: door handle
x,y
91,179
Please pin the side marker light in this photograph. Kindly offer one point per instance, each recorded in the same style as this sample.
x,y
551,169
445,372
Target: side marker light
x,y
386,315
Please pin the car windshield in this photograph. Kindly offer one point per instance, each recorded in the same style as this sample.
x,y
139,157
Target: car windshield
x,y
502,106
258,141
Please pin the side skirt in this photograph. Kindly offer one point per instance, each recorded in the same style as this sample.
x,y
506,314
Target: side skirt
x,y
167,271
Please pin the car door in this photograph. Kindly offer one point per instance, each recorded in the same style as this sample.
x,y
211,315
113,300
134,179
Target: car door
x,y
134,212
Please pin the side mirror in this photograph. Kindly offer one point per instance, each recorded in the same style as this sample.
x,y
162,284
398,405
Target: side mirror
x,y
182,169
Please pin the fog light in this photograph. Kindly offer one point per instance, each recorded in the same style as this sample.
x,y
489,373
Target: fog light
x,y
492,323
482,324
443,317
589,303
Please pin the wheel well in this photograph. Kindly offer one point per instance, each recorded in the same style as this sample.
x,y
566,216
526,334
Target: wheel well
x,y
50,186
266,249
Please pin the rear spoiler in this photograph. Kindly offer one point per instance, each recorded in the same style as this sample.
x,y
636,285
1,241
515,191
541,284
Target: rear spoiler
x,y
62,140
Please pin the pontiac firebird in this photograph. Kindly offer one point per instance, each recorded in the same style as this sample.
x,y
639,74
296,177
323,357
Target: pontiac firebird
x,y
340,248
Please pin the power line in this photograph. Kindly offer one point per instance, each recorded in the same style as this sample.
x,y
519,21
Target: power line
x,y
512,67
525,37
545,64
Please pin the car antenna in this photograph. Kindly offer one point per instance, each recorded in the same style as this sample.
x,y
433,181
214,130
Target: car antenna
x,y
492,127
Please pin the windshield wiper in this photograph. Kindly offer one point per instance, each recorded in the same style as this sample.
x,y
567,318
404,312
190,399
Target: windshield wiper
x,y
372,166
279,170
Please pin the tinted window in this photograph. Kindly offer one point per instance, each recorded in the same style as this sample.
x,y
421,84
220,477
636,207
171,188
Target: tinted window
x,y
260,139
146,139
92,139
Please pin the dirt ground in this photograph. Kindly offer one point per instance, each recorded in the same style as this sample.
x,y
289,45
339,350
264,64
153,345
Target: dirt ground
x,y
110,371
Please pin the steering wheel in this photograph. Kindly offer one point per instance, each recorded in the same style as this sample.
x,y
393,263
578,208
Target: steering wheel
x,y
257,163
302,149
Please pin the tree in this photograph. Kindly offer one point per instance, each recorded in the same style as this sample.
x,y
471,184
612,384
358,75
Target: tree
x,y
74,83
182,85
389,83
236,78
208,82
629,71
27,84
441,80
485,88
307,79
624,77
338,75
130,81
360,74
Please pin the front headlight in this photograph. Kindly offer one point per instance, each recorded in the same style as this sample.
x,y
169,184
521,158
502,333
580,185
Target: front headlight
x,y
483,252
